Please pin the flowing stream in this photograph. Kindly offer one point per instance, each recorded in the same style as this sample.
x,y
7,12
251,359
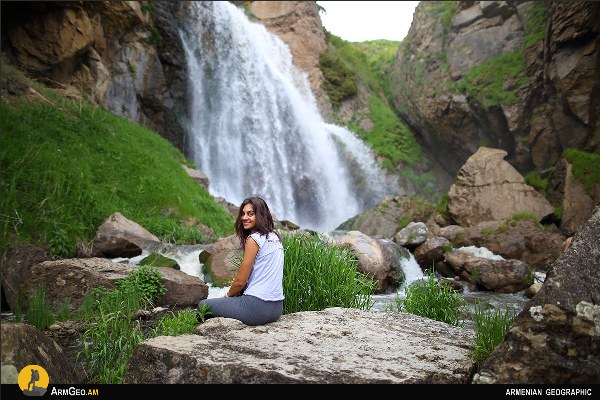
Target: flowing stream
x,y
254,128
187,258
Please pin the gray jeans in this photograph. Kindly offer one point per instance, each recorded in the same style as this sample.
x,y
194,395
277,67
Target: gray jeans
x,y
248,309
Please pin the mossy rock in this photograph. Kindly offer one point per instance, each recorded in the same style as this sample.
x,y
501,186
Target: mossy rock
x,y
160,261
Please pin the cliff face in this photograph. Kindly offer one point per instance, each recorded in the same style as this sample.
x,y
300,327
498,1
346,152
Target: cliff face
x,y
127,58
122,56
545,97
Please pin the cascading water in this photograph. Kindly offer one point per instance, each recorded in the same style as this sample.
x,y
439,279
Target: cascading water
x,y
254,128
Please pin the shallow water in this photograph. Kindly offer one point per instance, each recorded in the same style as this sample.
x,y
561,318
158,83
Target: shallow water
x,y
188,259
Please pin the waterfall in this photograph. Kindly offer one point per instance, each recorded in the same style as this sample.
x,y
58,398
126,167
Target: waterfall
x,y
254,128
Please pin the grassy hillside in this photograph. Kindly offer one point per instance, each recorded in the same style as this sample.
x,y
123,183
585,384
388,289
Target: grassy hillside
x,y
65,166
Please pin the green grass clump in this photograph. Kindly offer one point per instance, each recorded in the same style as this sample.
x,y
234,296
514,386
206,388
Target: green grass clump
x,y
491,326
444,10
67,166
179,323
535,181
522,216
107,345
586,167
146,279
430,299
318,275
37,311
536,25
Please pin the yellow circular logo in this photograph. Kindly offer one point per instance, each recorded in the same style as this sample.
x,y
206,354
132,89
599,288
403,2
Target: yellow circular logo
x,y
33,380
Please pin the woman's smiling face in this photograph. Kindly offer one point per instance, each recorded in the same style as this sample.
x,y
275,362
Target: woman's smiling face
x,y
248,217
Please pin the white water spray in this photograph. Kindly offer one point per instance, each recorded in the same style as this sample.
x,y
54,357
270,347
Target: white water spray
x,y
254,127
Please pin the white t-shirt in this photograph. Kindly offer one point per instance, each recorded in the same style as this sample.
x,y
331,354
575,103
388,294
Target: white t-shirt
x,y
266,278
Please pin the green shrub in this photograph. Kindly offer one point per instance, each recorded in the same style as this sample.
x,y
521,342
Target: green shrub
x,y
318,275
107,345
146,279
339,80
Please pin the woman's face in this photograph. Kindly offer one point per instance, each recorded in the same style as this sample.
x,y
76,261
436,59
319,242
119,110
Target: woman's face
x,y
248,217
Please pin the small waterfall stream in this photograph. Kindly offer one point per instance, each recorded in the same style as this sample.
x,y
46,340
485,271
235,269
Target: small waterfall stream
x,y
254,127
187,258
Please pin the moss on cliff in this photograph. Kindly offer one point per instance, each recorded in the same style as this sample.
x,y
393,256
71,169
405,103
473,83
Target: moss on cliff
x,y
586,168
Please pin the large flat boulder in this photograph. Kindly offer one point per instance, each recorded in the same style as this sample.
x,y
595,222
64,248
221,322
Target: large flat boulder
x,y
336,345
72,278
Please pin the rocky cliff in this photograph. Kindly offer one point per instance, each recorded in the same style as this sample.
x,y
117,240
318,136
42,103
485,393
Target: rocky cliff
x,y
125,57
519,76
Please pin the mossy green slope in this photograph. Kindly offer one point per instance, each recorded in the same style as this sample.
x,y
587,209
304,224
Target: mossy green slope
x,y
66,166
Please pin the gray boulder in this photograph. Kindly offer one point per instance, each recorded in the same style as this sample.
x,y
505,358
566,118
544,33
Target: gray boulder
x,y
24,345
336,345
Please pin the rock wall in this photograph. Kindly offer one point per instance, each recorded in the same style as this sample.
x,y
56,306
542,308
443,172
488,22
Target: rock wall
x,y
122,56
556,104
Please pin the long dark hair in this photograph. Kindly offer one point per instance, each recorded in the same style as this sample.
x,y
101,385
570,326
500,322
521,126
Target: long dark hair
x,y
264,219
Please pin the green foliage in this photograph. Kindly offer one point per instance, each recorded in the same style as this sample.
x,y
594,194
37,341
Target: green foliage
x,y
148,7
389,137
403,222
521,216
318,275
59,243
447,247
430,299
558,213
486,231
64,311
179,323
203,313
586,168
66,167
155,39
107,345
491,326
146,279
502,229
486,82
536,24
339,80
534,180
172,231
444,10
442,206
37,311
